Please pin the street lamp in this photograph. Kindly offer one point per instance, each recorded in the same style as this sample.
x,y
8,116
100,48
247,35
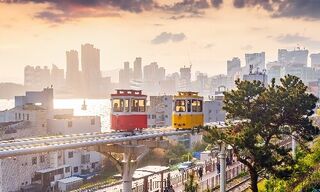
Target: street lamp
x,y
222,158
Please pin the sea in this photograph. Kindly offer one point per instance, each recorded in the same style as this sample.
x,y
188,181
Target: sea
x,y
99,107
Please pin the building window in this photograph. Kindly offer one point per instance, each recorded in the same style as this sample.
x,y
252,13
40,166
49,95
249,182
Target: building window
x,y
75,169
67,169
85,159
23,116
69,123
60,171
70,154
19,116
28,117
16,116
34,160
42,159
93,121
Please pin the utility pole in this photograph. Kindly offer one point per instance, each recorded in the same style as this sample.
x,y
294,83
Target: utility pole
x,y
222,158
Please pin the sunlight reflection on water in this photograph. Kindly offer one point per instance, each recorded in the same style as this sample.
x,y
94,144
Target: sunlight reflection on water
x,y
99,107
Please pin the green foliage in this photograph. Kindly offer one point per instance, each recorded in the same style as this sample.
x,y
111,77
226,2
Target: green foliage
x,y
176,153
187,156
268,115
191,185
306,173
199,146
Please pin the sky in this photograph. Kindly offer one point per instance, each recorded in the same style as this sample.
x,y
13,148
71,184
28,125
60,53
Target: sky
x,y
174,33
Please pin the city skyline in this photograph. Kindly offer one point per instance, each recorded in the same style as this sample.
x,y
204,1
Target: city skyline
x,y
167,33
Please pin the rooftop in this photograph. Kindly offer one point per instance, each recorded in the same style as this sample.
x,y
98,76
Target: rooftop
x,y
70,180
4,124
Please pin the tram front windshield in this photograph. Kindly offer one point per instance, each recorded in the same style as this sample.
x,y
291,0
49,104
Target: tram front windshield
x,y
117,105
180,106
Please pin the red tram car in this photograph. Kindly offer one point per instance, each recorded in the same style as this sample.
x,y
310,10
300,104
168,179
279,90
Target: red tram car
x,y
128,111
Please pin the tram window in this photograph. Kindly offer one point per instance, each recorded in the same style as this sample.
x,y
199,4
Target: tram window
x,y
196,106
117,105
189,105
142,105
200,106
138,105
126,105
180,106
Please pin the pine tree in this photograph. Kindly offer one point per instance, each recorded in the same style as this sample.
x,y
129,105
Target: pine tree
x,y
268,116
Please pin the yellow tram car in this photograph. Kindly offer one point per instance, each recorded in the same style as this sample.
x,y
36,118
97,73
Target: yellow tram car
x,y
187,111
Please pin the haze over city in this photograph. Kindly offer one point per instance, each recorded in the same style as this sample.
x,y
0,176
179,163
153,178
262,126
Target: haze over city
x,y
159,95
171,33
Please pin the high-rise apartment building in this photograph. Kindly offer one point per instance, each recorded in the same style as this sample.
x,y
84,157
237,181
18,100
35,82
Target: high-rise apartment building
x,y
233,66
315,60
137,69
185,79
90,65
297,56
257,60
125,75
36,77
57,77
72,74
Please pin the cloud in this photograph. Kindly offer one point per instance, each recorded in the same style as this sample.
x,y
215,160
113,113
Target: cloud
x,y
306,9
165,37
298,39
186,16
291,38
247,47
208,46
216,3
63,10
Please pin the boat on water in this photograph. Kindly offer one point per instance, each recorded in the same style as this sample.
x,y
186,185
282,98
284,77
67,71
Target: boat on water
x,y
84,105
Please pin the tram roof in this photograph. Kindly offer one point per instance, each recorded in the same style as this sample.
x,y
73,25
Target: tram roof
x,y
188,94
128,92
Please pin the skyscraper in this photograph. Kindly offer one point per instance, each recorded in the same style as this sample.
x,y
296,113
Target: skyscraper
x,y
297,56
36,77
315,60
150,72
57,77
185,79
72,73
125,75
257,60
233,66
137,70
90,64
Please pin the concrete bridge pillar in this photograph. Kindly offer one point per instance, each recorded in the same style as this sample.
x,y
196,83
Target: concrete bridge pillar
x,y
126,163
127,156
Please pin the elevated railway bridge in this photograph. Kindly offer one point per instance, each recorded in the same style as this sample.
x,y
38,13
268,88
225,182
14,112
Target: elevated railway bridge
x,y
132,146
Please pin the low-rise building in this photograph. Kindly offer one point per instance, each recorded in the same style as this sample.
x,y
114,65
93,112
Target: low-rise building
x,y
32,116
160,111
212,109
